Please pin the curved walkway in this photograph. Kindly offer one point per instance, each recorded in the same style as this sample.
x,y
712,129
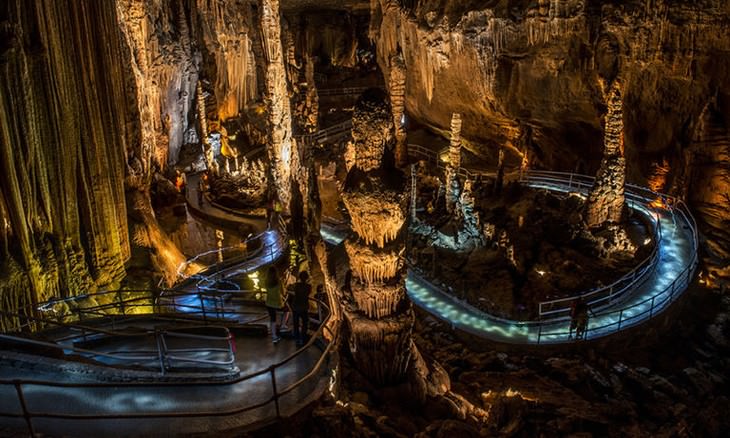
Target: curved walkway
x,y
650,295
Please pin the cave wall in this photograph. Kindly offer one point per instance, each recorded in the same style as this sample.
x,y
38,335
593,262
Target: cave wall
x,y
174,43
63,131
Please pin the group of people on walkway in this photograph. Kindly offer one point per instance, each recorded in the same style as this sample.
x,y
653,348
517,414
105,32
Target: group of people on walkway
x,y
281,303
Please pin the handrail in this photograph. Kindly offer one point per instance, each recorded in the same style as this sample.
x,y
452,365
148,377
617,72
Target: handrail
x,y
351,91
658,301
317,337
644,267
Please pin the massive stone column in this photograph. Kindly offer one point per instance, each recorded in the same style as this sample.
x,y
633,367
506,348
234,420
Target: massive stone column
x,y
452,167
281,144
606,200
397,88
376,308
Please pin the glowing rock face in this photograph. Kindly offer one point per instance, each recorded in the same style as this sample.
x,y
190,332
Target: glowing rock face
x,y
606,200
397,86
281,145
452,179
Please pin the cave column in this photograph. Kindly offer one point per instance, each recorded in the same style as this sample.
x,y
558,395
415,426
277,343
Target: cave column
x,y
312,101
606,199
397,85
280,147
452,167
375,304
208,152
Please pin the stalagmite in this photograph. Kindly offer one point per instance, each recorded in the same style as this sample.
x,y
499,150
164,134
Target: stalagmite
x,y
452,167
397,88
208,154
281,147
312,101
606,200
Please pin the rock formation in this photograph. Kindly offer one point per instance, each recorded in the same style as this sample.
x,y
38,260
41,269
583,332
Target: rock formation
x,y
454,163
62,151
281,146
377,310
397,89
606,199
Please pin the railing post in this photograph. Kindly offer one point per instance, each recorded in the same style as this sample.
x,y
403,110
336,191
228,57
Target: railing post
x,y
202,307
121,301
620,316
275,392
23,406
539,333
651,309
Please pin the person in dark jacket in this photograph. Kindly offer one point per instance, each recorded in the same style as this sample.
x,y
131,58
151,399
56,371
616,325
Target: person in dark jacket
x,y
300,307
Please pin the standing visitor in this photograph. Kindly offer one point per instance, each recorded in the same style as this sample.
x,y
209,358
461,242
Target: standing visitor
x,y
274,301
300,307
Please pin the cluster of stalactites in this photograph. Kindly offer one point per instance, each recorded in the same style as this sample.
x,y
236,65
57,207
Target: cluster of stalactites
x,y
376,219
372,265
378,301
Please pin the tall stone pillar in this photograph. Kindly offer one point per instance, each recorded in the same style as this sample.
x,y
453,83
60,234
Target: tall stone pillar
x,y
606,200
281,145
397,86
452,167
376,308
208,154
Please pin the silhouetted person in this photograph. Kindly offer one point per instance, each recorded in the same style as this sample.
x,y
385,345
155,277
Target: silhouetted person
x,y
579,318
300,307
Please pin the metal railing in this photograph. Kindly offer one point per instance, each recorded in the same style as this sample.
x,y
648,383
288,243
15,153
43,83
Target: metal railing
x,y
331,133
604,296
322,340
553,329
347,91
167,359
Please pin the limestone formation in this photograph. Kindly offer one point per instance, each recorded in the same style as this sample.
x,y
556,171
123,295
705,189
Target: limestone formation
x,y
606,200
281,146
454,163
397,88
62,151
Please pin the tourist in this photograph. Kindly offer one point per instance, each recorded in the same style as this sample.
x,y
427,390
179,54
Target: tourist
x,y
300,307
581,318
573,316
274,302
